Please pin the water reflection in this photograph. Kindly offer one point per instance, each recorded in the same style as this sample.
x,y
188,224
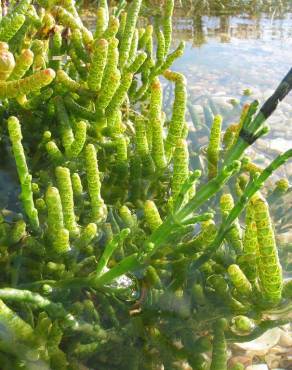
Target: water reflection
x,y
230,7
199,28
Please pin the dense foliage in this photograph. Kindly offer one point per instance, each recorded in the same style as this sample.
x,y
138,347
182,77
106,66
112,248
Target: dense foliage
x,y
120,253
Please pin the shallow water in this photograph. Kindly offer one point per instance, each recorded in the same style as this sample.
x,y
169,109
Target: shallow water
x,y
238,52
228,53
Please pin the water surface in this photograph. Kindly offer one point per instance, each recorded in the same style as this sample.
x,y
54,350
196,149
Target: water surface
x,y
226,54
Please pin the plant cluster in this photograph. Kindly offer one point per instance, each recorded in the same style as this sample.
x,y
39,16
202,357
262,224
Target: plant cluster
x,y
118,255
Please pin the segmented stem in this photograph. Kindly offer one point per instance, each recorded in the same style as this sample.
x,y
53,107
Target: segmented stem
x,y
22,170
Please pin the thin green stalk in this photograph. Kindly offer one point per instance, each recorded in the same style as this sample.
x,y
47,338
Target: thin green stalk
x,y
208,190
109,250
128,264
205,193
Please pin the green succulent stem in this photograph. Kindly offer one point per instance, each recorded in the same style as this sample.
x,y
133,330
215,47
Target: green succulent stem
x,y
253,186
26,296
25,178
